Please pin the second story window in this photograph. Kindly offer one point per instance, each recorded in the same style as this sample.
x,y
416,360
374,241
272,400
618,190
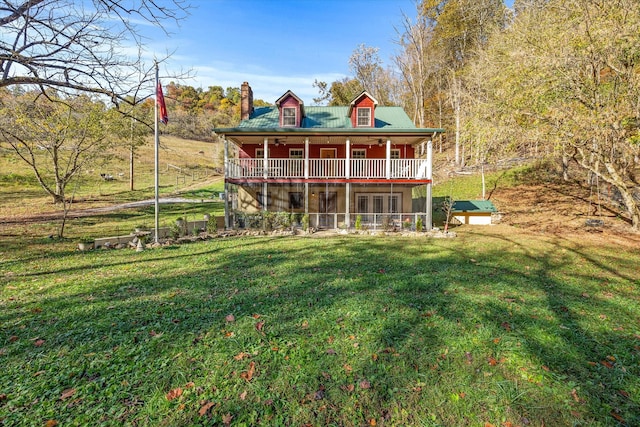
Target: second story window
x,y
358,153
395,153
364,116
288,116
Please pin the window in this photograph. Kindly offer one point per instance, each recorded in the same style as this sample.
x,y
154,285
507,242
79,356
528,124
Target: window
x,y
359,153
380,202
393,204
288,116
261,199
295,200
296,153
395,153
260,153
364,116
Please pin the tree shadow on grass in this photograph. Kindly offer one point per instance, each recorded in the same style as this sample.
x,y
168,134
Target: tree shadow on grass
x,y
339,331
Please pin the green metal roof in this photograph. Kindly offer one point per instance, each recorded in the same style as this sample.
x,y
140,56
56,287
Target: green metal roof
x,y
319,118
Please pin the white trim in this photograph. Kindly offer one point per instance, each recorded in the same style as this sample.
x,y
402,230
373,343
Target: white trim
x,y
369,117
295,116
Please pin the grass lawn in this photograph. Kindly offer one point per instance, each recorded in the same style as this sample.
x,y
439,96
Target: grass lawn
x,y
489,328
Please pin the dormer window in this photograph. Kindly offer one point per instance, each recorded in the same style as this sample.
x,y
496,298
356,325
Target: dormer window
x,y
289,116
364,116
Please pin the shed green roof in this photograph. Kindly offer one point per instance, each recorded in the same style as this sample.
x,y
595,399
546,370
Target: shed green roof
x,y
473,206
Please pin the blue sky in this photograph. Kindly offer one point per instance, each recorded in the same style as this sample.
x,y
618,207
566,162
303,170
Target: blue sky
x,y
279,45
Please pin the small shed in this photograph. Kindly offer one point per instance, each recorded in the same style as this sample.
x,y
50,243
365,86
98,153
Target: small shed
x,y
475,212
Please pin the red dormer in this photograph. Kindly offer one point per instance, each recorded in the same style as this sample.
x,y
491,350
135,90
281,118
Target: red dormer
x,y
361,111
291,109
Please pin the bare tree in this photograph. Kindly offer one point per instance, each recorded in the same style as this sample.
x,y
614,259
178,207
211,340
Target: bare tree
x,y
78,46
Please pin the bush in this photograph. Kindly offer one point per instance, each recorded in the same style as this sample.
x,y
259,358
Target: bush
x,y
359,222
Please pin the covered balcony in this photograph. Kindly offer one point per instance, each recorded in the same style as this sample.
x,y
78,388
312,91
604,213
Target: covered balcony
x,y
313,169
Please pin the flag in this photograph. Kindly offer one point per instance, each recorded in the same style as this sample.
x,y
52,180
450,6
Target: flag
x,y
162,108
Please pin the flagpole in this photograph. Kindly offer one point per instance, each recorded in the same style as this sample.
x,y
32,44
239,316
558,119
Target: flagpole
x,y
157,164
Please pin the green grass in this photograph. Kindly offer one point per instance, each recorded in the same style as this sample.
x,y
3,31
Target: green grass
x,y
485,328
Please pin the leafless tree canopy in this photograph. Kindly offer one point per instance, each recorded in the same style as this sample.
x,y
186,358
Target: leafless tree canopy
x,y
80,46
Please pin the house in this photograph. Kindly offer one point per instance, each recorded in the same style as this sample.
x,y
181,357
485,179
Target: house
x,y
336,164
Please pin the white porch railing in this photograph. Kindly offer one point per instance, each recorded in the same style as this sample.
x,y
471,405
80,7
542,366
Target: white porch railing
x,y
327,168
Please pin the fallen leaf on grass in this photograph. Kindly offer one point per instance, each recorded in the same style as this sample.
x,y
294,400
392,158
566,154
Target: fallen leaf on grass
x,y
260,326
372,422
574,394
227,418
348,388
3,397
365,384
13,338
618,417
175,393
243,395
331,351
469,357
51,423
607,364
67,393
38,342
506,326
205,408
255,316
241,355
248,374
492,361
230,318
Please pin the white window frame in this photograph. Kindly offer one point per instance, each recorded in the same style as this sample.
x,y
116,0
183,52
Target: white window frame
x,y
360,119
260,153
361,153
296,153
395,154
289,120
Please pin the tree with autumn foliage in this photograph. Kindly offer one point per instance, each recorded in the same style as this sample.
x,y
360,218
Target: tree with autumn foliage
x,y
566,74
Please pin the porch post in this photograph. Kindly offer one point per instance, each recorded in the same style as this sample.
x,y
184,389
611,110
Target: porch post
x,y
347,172
306,158
388,162
347,166
429,201
265,174
347,214
226,185
306,175
265,170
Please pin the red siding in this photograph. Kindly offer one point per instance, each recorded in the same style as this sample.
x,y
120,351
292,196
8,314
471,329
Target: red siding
x,y
291,102
374,151
365,101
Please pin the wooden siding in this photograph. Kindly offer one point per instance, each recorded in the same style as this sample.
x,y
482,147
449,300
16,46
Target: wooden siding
x,y
365,102
290,102
373,151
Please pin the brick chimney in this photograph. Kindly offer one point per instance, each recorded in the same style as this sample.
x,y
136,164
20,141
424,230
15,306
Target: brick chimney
x,y
246,101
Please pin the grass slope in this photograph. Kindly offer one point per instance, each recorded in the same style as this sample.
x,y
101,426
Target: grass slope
x,y
486,328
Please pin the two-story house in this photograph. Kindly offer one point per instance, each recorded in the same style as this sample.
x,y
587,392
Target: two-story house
x,y
332,163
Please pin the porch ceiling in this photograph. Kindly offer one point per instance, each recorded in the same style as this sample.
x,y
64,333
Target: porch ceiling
x,y
329,139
